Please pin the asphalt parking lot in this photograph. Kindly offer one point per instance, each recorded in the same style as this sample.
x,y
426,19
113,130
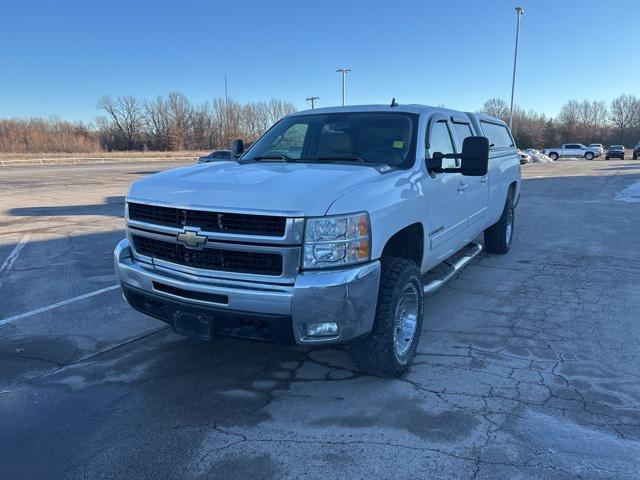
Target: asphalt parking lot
x,y
528,366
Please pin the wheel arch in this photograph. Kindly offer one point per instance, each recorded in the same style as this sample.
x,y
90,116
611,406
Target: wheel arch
x,y
407,243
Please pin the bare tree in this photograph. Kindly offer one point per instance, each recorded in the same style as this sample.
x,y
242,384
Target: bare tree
x,y
158,123
496,107
624,114
126,115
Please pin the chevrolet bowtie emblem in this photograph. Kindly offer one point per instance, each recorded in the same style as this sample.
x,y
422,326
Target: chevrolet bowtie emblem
x,y
191,239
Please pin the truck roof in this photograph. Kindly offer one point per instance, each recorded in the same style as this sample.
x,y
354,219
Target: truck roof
x,y
409,108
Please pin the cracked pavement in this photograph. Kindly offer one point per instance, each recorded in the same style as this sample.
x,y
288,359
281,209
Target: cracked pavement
x,y
528,365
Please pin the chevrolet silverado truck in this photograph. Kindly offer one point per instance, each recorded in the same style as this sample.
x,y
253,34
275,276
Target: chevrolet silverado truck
x,y
572,150
332,228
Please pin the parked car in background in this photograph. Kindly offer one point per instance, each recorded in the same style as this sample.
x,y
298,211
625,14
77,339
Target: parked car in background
x,y
597,146
216,156
615,151
572,150
524,157
636,151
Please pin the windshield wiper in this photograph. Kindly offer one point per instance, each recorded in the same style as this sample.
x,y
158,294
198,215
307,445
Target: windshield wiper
x,y
279,156
344,158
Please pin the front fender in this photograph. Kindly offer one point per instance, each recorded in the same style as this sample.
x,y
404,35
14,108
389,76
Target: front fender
x,y
394,201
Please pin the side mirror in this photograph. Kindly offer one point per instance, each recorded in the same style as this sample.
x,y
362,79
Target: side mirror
x,y
237,148
475,156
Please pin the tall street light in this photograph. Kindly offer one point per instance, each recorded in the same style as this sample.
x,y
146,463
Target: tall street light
x,y
344,75
519,12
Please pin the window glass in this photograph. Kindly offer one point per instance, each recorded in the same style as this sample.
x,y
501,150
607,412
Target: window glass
x,y
463,130
369,137
290,142
440,141
498,135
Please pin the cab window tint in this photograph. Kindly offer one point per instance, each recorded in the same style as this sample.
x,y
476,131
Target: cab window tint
x,y
463,130
440,141
498,135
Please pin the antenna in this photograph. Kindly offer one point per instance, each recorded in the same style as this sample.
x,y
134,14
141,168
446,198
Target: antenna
x,y
394,103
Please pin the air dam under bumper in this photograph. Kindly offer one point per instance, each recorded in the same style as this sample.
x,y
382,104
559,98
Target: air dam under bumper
x,y
347,297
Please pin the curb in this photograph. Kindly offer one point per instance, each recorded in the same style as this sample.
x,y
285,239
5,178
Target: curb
x,y
87,161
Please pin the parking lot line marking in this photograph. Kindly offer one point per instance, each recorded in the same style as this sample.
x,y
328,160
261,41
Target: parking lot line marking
x,y
4,321
14,254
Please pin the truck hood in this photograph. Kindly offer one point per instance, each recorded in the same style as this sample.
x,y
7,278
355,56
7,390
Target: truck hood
x,y
294,189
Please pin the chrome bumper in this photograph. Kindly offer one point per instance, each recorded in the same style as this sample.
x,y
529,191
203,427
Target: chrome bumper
x,y
347,297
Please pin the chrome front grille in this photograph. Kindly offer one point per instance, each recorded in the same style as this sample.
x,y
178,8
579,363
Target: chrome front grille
x,y
247,224
257,263
212,244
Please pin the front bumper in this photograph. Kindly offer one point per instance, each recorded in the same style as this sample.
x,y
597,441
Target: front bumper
x,y
347,297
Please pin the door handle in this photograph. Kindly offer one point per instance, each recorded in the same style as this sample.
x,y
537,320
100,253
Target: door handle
x,y
462,187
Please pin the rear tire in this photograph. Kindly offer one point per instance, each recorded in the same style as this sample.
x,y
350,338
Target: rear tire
x,y
498,237
553,156
390,347
607,157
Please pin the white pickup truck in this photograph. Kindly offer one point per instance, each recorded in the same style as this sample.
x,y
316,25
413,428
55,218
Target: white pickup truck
x,y
573,150
327,230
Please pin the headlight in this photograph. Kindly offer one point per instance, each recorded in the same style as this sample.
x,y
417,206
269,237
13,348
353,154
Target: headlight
x,y
336,241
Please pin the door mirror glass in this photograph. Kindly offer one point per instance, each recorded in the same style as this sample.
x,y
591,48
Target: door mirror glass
x,y
475,156
237,148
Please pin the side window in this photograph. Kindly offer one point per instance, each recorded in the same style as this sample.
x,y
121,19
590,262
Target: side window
x,y
290,143
440,141
463,130
498,135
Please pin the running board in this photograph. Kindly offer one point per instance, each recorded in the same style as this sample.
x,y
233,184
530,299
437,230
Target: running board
x,y
434,285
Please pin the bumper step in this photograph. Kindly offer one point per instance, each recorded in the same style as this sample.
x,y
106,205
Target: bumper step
x,y
441,274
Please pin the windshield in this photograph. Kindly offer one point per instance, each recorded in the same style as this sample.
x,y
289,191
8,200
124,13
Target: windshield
x,y
360,137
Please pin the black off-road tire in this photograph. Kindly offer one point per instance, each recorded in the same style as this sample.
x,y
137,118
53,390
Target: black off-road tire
x,y
496,237
375,353
553,156
607,157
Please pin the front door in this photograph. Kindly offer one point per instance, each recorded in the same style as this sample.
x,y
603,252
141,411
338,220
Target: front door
x,y
447,213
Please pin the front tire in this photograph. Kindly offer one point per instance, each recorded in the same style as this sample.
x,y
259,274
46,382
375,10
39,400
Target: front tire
x,y
498,237
607,157
588,156
390,347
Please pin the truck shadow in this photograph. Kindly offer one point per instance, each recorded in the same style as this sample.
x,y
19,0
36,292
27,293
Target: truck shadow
x,y
111,206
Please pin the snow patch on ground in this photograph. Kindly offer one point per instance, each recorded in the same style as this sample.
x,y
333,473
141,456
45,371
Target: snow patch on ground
x,y
537,156
631,194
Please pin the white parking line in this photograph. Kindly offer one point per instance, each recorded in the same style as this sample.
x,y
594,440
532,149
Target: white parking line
x,y
4,321
14,254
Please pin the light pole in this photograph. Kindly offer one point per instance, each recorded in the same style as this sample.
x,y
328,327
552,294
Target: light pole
x,y
344,76
519,12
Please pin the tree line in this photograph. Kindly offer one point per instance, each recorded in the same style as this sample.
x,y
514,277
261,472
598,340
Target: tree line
x,y
580,121
162,124
172,122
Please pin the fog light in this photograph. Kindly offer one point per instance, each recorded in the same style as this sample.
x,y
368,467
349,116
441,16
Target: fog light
x,y
325,329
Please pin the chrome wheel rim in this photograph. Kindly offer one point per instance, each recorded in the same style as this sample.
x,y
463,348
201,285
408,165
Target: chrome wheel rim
x,y
406,319
509,231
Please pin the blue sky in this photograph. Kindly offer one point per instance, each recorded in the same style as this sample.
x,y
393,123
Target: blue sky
x,y
58,57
